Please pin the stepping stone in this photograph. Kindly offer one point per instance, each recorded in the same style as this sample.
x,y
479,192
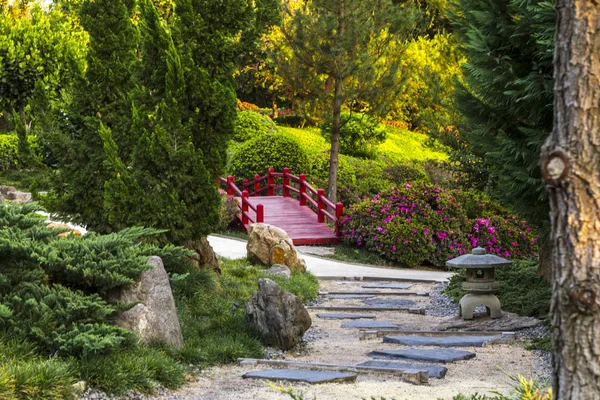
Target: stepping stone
x,y
443,341
296,375
346,316
435,371
369,324
391,303
350,296
438,355
387,286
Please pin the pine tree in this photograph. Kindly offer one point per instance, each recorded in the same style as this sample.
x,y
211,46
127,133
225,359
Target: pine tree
x,y
347,46
102,98
508,97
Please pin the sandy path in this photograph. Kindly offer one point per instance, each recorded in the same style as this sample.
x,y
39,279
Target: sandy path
x,y
486,372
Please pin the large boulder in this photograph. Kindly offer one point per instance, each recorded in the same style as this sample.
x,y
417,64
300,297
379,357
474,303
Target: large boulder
x,y
154,318
278,317
6,189
270,245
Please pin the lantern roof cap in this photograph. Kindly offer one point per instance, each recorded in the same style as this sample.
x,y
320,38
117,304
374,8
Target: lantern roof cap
x,y
478,259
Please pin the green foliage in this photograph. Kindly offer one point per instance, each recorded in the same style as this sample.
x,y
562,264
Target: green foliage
x,y
10,152
507,97
359,134
522,290
229,210
49,286
423,223
36,47
524,389
250,124
401,174
276,151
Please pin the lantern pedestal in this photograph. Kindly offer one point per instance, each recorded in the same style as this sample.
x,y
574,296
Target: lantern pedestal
x,y
469,302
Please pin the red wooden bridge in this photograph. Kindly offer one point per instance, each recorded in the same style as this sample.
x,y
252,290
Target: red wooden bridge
x,y
298,208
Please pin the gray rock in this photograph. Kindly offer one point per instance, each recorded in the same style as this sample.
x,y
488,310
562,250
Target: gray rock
x,y
435,371
437,355
18,197
444,341
278,317
316,250
154,318
6,189
391,303
350,296
368,324
279,270
1,198
509,322
387,286
296,375
346,316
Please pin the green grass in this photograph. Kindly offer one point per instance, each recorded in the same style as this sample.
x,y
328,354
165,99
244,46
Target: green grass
x,y
400,146
522,291
22,179
213,320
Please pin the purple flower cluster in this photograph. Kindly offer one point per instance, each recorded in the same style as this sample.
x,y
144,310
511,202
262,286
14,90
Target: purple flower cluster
x,y
420,224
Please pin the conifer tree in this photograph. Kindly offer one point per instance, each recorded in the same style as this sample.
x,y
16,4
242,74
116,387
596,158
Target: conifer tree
x,y
508,97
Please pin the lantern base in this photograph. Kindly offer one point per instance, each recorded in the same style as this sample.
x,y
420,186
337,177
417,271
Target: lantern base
x,y
470,301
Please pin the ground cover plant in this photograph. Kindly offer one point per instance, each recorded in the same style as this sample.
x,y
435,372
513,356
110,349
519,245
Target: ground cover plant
x,y
418,224
56,326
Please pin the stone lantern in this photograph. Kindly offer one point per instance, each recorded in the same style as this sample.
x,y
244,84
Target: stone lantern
x,y
480,282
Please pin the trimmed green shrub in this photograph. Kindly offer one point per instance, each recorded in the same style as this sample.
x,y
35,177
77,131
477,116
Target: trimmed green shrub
x,y
359,136
422,223
401,174
250,124
275,150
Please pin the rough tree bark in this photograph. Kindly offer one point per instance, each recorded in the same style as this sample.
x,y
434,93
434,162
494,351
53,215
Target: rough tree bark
x,y
335,141
571,168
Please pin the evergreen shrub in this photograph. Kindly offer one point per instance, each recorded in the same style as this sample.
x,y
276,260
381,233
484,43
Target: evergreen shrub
x,y
229,209
250,124
275,150
421,223
359,135
9,151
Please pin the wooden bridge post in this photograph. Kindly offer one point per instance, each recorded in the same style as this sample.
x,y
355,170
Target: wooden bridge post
x,y
339,212
257,185
260,214
286,182
271,181
302,189
245,184
320,206
230,185
245,207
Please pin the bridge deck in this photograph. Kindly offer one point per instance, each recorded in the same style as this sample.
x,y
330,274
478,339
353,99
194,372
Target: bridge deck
x,y
300,222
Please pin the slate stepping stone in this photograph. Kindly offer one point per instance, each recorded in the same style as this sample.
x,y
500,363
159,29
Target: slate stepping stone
x,y
440,341
346,316
296,375
438,355
390,303
369,324
435,371
350,296
387,286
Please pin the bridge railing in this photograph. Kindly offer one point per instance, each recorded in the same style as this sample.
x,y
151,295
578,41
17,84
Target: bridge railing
x,y
290,186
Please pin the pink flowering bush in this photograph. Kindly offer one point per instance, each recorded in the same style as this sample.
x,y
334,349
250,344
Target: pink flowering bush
x,y
419,224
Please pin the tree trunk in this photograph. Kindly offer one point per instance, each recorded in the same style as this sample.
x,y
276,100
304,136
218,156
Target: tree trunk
x,y
571,167
275,109
335,141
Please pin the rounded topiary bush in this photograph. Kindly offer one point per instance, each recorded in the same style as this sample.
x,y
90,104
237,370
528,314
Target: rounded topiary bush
x,y
275,150
250,124
418,224
359,134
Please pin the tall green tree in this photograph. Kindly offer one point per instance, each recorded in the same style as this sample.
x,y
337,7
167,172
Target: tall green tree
x,y
148,131
507,99
347,45
36,46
